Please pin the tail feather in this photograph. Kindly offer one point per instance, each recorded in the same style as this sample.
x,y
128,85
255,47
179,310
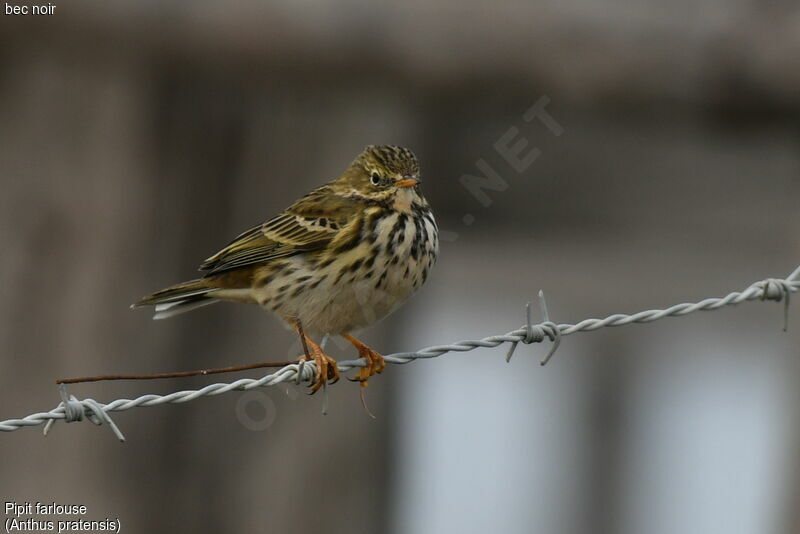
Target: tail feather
x,y
171,309
179,298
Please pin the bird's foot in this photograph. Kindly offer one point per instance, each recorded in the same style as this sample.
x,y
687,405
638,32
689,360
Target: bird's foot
x,y
375,361
326,368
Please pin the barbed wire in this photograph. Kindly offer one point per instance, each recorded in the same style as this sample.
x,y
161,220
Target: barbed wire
x,y
71,409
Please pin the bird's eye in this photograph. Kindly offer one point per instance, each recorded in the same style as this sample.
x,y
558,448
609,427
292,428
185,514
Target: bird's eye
x,y
375,179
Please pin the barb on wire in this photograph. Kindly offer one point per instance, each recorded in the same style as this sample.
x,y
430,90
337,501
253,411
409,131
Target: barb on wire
x,y
75,410
71,409
537,333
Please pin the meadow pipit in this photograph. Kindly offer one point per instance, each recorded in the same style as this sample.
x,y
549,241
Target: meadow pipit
x,y
337,260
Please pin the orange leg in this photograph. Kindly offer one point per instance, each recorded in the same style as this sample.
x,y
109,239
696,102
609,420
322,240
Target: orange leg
x,y
326,367
375,362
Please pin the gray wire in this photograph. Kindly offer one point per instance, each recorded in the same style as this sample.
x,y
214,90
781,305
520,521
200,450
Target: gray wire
x,y
71,409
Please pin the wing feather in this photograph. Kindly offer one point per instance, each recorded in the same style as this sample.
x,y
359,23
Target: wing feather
x,y
308,225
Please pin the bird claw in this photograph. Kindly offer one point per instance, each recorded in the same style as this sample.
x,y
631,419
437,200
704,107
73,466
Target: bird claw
x,y
326,369
375,364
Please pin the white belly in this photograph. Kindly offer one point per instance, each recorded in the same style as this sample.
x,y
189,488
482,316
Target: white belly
x,y
347,299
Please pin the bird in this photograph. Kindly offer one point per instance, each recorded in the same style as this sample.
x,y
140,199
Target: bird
x,y
339,259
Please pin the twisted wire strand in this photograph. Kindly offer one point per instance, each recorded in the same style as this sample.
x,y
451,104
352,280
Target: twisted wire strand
x,y
71,409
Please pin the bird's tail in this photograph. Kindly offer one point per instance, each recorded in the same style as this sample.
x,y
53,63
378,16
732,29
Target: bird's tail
x,y
180,298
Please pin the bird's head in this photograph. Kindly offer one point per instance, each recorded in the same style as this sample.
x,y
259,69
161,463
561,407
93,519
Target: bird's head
x,y
383,173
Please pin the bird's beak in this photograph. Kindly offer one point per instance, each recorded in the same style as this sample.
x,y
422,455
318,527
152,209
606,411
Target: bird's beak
x,y
407,182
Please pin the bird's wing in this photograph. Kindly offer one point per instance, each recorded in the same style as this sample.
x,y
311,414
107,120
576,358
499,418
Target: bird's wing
x,y
309,224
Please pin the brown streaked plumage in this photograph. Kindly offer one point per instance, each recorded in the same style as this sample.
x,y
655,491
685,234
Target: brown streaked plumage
x,y
337,260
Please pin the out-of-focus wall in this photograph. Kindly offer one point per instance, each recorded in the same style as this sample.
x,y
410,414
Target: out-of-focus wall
x,y
138,137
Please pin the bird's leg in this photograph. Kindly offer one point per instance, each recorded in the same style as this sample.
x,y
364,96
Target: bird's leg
x,y
375,362
326,367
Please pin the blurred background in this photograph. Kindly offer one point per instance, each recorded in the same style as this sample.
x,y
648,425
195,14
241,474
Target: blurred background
x,y
137,138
